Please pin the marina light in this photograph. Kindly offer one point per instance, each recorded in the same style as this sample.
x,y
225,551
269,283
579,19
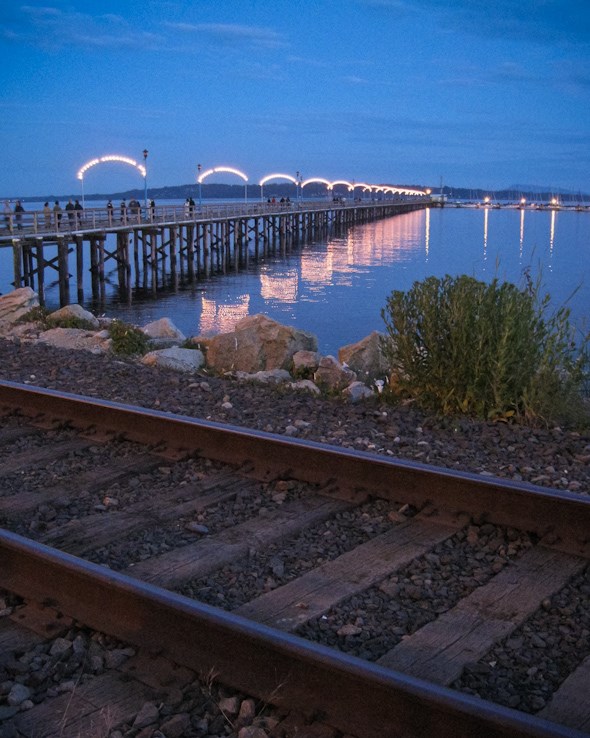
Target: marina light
x,y
217,170
364,185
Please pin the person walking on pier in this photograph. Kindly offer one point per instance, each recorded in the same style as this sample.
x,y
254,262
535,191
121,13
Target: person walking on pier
x,y
135,209
70,212
19,210
57,214
7,216
47,215
79,211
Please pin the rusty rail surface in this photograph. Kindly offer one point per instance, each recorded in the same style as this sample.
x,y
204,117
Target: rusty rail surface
x,y
353,695
562,515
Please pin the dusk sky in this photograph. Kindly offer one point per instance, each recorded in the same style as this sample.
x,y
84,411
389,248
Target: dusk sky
x,y
484,95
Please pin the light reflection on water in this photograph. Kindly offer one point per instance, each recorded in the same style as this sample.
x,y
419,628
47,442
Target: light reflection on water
x,y
337,288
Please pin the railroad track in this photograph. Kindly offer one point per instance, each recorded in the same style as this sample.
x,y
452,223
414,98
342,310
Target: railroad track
x,y
377,594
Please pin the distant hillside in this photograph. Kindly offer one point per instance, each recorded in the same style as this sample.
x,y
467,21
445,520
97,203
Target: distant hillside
x,y
537,189
287,189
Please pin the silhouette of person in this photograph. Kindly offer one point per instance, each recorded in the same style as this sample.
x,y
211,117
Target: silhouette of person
x,y
7,216
79,210
57,214
47,215
19,210
70,212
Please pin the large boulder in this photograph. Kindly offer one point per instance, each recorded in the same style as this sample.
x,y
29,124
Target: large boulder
x,y
163,330
16,304
305,363
256,344
179,359
77,339
306,385
273,376
357,391
365,357
75,312
332,375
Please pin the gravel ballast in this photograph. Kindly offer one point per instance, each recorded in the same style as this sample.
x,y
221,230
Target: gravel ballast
x,y
550,457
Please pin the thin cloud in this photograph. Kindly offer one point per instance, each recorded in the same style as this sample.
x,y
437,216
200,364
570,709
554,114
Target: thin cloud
x,y
355,80
232,33
52,28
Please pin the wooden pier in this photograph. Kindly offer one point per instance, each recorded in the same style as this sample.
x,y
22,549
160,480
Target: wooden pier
x,y
172,243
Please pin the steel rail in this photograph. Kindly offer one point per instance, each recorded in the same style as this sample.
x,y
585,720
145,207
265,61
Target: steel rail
x,y
563,516
352,695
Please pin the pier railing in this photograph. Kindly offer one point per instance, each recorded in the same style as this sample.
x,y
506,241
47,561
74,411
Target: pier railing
x,y
67,222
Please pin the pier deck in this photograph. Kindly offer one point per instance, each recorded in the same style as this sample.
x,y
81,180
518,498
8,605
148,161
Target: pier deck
x,y
189,240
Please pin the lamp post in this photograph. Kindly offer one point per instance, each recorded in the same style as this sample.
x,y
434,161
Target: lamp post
x,y
199,181
145,156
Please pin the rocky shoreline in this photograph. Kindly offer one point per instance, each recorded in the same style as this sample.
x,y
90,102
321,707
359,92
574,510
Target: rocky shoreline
x,y
550,457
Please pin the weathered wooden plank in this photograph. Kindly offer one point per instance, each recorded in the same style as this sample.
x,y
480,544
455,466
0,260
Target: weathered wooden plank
x,y
42,455
314,593
91,482
571,703
15,637
16,432
439,651
208,554
157,671
93,709
82,535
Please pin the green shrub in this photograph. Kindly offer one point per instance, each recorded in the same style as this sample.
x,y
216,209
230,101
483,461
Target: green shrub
x,y
127,339
460,346
35,315
42,316
71,322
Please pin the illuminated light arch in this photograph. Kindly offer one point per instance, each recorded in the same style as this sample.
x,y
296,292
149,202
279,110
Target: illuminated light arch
x,y
215,170
364,185
349,185
278,175
315,180
111,158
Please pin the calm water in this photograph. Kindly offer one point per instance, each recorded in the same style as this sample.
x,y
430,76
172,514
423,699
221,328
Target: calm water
x,y
336,288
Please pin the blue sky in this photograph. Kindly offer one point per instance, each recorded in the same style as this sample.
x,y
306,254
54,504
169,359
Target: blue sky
x,y
399,91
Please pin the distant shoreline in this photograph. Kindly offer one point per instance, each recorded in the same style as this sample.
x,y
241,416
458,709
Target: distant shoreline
x,y
287,189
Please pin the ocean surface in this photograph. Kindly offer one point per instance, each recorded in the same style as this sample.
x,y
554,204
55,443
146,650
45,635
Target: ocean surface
x,y
337,288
